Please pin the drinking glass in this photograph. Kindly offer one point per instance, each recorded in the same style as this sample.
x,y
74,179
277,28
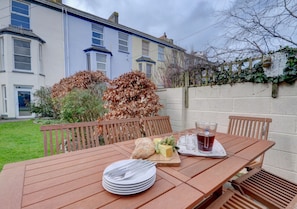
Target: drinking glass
x,y
206,132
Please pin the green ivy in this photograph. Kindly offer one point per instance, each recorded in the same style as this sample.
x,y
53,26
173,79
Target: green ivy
x,y
223,74
257,75
290,72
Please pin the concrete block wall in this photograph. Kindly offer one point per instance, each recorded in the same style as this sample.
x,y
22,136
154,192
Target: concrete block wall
x,y
216,103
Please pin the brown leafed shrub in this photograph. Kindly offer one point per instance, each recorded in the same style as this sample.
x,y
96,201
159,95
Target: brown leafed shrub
x,y
80,80
131,95
93,82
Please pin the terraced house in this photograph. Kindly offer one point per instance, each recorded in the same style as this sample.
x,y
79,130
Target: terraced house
x,y
42,42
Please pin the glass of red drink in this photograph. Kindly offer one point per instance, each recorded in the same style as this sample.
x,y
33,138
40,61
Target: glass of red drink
x,y
206,132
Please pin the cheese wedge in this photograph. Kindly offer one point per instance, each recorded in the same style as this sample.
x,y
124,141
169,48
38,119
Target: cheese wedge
x,y
165,150
157,140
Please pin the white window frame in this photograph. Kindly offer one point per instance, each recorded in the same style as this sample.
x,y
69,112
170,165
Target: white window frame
x,y
140,67
148,70
21,14
4,98
101,63
41,70
161,53
88,59
123,42
174,57
22,54
2,54
145,48
97,35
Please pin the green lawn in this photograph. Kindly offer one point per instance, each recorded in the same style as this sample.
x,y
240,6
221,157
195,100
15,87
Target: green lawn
x,y
21,140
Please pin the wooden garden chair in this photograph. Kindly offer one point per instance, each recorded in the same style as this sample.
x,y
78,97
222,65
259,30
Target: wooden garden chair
x,y
117,130
267,188
156,125
252,127
61,138
232,199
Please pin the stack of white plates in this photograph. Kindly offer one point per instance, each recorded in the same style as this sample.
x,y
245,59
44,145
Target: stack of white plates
x,y
139,182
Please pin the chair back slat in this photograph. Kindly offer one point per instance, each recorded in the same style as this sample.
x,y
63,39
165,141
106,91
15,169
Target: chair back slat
x,y
251,127
118,130
156,125
60,138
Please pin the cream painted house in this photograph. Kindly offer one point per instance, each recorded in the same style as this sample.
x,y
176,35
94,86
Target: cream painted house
x,y
155,57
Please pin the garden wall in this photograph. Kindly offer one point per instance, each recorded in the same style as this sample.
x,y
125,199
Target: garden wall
x,y
216,103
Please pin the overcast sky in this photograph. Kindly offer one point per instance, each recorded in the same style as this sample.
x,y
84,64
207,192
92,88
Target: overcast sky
x,y
192,24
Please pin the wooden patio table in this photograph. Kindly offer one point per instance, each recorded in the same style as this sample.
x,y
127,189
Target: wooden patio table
x,y
74,179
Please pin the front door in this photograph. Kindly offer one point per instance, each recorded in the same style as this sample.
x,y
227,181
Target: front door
x,y
23,103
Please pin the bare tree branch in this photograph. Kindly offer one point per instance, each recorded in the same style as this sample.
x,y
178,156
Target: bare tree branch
x,y
255,27
289,10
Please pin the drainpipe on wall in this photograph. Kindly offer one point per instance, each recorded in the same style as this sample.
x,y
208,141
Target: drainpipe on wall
x,y
66,40
187,89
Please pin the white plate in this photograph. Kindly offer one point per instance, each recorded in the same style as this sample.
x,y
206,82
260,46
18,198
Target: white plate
x,y
128,185
136,179
129,190
218,150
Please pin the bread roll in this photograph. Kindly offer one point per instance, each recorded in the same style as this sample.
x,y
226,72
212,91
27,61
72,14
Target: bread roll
x,y
144,148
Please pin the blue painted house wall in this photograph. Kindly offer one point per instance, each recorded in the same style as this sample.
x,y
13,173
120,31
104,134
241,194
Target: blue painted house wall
x,y
78,38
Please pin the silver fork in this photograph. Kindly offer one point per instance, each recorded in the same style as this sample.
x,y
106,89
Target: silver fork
x,y
131,171
123,167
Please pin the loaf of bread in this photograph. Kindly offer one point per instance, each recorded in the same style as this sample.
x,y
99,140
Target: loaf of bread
x,y
144,148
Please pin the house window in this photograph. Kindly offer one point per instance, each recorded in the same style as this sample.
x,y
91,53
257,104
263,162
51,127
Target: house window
x,y
88,61
148,71
22,55
145,48
174,57
123,42
20,15
161,55
4,98
97,35
140,67
40,60
1,54
101,62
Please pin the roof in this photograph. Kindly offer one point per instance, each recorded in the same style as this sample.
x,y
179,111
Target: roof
x,y
98,49
102,21
22,32
145,59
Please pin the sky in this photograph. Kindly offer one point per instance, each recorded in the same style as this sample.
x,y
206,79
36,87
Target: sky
x,y
192,24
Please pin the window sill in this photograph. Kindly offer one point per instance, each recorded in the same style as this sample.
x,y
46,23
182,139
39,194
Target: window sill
x,y
123,52
19,71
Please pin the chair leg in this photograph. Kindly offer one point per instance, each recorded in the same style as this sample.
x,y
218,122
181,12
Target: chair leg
x,y
210,199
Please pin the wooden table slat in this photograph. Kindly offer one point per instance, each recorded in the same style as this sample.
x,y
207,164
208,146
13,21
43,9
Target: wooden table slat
x,y
160,187
11,186
211,179
188,196
252,152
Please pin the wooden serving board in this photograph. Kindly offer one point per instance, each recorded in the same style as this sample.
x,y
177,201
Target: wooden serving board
x,y
166,161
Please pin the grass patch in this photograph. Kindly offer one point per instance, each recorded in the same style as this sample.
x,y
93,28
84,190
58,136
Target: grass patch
x,y
20,140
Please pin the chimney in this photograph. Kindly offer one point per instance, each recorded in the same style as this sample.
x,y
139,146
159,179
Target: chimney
x,y
56,1
164,37
114,17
